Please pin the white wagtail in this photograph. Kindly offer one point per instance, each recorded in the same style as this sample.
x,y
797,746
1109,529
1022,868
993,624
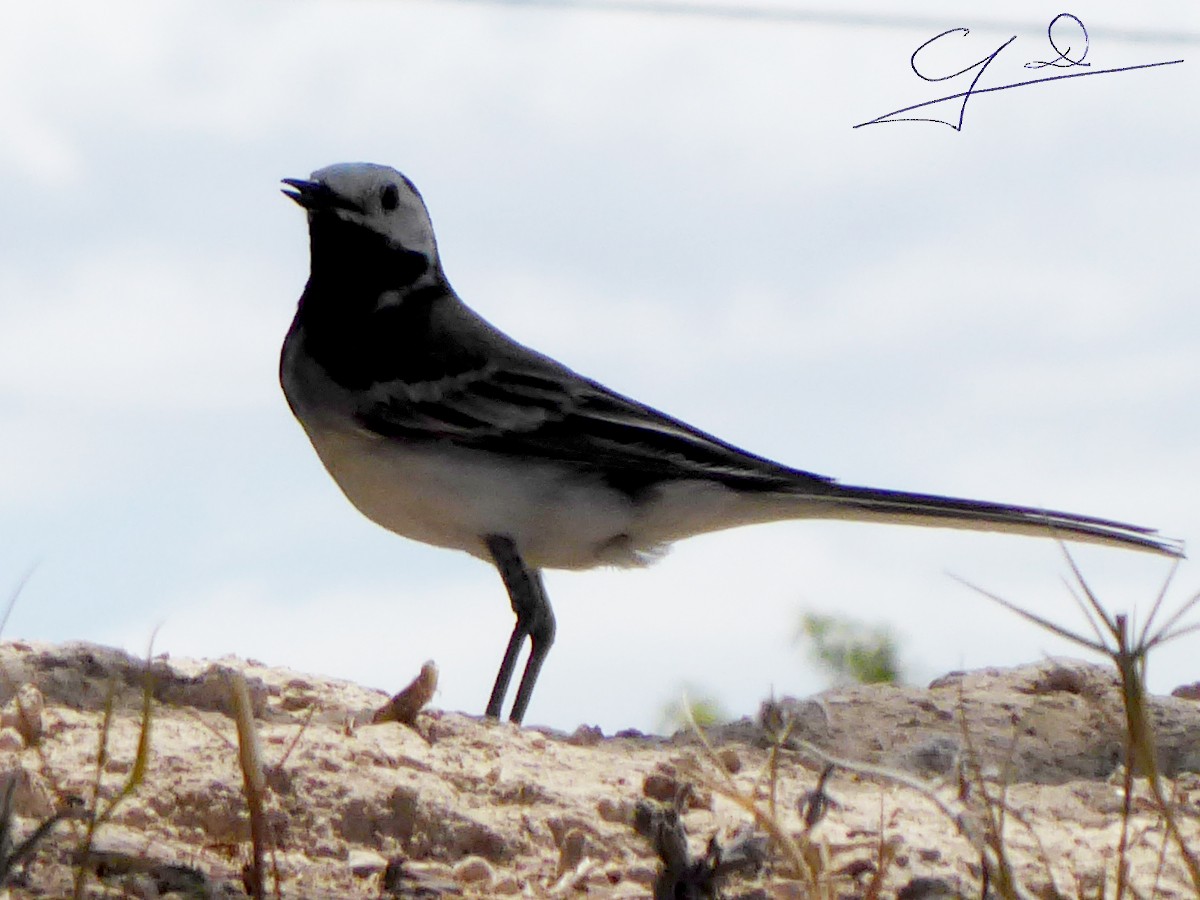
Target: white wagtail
x,y
441,428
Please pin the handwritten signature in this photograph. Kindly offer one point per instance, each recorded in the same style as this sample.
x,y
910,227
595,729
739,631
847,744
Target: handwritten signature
x,y
1068,39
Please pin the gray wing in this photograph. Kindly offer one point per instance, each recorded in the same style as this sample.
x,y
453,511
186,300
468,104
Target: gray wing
x,y
544,412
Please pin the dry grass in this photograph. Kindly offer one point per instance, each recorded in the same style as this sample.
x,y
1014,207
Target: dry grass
x,y
980,813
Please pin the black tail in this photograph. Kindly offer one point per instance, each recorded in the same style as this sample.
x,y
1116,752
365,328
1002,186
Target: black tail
x,y
875,504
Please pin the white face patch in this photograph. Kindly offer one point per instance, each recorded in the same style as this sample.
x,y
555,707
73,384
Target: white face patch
x,y
382,200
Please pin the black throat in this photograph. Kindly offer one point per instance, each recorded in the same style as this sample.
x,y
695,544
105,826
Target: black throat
x,y
353,265
359,287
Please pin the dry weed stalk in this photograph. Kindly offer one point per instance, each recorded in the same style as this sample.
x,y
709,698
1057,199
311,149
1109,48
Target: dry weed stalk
x,y
137,772
1128,647
12,854
255,785
804,858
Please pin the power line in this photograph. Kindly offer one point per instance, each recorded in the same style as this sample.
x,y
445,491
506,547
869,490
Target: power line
x,y
837,19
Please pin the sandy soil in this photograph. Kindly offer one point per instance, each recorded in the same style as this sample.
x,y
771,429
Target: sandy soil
x,y
464,807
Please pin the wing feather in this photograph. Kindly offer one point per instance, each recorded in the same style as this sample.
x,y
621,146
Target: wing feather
x,y
558,415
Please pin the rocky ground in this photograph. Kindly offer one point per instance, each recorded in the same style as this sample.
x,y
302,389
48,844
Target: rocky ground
x,y
457,806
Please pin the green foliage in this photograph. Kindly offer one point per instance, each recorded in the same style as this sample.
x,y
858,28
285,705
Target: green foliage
x,y
851,651
706,711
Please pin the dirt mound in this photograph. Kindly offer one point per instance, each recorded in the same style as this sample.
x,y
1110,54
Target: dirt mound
x,y
461,806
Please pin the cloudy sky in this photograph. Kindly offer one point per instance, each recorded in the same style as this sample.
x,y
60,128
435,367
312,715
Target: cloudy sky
x,y
673,202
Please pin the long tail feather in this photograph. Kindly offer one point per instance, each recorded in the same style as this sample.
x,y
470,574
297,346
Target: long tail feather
x,y
876,505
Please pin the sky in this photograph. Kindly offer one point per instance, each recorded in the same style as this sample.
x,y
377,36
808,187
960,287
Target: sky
x,y
673,202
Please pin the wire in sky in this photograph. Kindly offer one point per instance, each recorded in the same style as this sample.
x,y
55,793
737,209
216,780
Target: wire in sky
x,y
838,18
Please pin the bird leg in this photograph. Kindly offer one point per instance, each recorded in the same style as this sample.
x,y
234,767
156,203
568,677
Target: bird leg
x,y
535,620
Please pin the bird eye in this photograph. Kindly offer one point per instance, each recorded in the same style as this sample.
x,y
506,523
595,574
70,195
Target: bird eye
x,y
389,197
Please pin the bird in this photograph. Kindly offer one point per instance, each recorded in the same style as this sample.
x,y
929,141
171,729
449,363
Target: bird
x,y
441,428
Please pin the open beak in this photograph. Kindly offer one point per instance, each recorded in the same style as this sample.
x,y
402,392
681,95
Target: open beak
x,y
317,195
309,194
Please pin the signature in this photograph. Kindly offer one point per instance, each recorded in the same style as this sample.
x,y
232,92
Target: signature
x,y
1068,39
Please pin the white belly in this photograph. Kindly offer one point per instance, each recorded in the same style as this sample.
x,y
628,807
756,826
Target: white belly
x,y
451,497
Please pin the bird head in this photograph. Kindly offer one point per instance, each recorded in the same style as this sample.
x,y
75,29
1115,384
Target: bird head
x,y
369,196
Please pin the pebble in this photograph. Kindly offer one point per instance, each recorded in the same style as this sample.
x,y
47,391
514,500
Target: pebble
x,y
23,713
364,863
474,869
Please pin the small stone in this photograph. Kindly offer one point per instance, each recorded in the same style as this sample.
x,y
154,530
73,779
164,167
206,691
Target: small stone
x,y
11,741
364,863
403,707
403,880
641,874
23,713
614,811
730,760
586,736
474,869
660,787
928,889
34,797
667,789
857,868
575,881
1187,691
571,854
790,890
937,755
506,884
1055,679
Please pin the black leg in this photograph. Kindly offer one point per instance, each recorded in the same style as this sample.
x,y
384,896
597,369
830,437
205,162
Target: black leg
x,y
535,619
